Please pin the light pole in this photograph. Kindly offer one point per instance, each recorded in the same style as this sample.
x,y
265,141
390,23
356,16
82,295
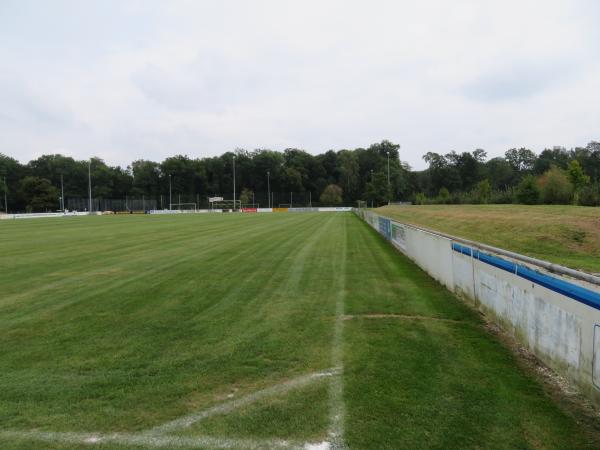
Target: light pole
x,y
400,166
269,188
373,187
389,193
62,194
5,196
388,157
234,182
170,195
90,183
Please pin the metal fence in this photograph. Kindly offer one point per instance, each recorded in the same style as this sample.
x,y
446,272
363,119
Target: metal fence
x,y
256,200
111,204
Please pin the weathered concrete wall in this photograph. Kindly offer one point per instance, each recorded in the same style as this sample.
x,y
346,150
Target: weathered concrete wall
x,y
555,316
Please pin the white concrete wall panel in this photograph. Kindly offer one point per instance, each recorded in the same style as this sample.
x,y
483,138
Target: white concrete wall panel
x,y
432,253
462,267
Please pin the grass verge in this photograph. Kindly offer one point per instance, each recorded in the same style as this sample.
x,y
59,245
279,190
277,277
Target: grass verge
x,y
566,235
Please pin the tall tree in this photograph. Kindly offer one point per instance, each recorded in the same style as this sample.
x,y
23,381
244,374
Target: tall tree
x,y
348,173
557,157
38,194
521,160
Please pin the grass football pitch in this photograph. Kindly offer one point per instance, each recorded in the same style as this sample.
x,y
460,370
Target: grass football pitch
x,y
249,331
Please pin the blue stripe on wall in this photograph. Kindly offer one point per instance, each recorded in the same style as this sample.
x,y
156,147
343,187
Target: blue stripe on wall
x,y
385,227
562,287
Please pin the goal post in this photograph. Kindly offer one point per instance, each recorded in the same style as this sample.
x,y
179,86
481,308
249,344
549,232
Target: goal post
x,y
228,204
221,203
184,206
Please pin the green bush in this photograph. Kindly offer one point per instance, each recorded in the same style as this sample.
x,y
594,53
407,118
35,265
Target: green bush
x,y
332,195
456,198
555,187
444,195
505,196
484,191
420,198
579,180
528,191
590,195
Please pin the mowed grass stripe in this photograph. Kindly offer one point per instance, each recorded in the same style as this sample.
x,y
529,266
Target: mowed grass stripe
x,y
237,299
44,259
158,251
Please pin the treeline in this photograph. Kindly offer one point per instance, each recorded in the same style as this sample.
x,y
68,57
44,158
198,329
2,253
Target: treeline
x,y
555,176
295,173
374,174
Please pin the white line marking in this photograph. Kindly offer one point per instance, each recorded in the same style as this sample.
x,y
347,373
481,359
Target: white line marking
x,y
227,407
151,440
336,391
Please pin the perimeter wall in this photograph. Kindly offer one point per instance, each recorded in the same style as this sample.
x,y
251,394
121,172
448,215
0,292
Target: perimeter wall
x,y
557,317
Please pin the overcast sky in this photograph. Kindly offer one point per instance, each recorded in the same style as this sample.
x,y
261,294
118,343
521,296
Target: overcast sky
x,y
125,80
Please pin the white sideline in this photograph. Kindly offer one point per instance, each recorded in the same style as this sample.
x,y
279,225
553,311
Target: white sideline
x,y
336,391
231,405
156,437
151,440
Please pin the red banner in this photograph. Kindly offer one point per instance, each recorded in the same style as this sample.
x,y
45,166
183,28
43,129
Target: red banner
x,y
249,210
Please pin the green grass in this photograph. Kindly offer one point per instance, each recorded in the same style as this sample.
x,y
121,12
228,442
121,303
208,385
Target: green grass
x,y
566,235
122,324
295,415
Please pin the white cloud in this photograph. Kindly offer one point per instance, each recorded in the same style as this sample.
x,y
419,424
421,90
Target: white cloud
x,y
139,79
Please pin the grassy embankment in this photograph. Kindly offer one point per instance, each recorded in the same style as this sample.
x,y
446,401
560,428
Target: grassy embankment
x,y
567,235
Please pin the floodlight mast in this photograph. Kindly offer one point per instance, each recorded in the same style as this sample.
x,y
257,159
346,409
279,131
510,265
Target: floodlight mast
x,y
234,182
5,196
388,158
399,163
62,194
268,188
371,182
90,183
170,197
